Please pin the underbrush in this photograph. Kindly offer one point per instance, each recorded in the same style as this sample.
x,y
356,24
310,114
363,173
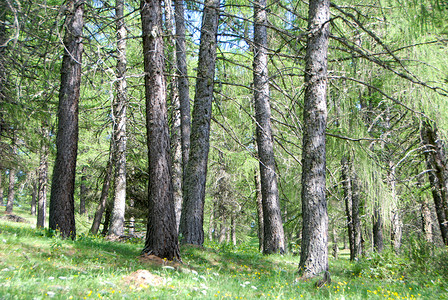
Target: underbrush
x,y
36,264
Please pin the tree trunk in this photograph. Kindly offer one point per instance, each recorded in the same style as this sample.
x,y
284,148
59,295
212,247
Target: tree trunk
x,y
62,210
274,238
131,219
192,218
83,192
34,197
116,226
107,215
104,194
357,237
426,221
335,244
175,125
396,226
347,187
438,175
182,81
259,212
161,235
1,186
233,227
314,252
378,243
43,179
12,184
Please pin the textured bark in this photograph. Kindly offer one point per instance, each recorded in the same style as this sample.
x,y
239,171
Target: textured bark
x,y
357,237
12,184
259,212
33,198
62,211
116,227
335,244
378,242
107,214
426,221
192,218
314,252
396,225
438,175
83,191
43,180
182,81
161,235
175,125
233,227
347,187
274,238
1,186
104,193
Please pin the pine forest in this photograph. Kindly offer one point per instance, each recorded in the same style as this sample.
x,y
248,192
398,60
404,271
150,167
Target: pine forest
x,y
211,149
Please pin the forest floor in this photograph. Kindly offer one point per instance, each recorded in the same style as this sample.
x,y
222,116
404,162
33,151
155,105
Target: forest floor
x,y
36,265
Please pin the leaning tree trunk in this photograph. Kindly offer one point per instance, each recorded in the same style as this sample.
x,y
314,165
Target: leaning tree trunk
x,y
43,180
192,217
12,184
116,227
161,235
438,177
314,252
104,193
62,210
274,238
182,81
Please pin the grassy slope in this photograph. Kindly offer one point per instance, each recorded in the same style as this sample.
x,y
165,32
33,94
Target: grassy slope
x,y
34,266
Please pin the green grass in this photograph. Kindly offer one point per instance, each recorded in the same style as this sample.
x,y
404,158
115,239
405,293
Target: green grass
x,y
34,265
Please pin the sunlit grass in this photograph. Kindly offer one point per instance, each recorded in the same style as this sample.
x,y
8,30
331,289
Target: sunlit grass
x,y
34,265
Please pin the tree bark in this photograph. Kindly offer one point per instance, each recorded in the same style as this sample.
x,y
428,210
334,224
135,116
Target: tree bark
x,y
34,197
335,244
438,175
1,186
161,235
116,227
192,218
426,221
175,114
83,192
347,187
378,242
182,81
12,184
107,214
259,212
357,237
274,238
62,211
314,252
396,226
104,193
43,180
